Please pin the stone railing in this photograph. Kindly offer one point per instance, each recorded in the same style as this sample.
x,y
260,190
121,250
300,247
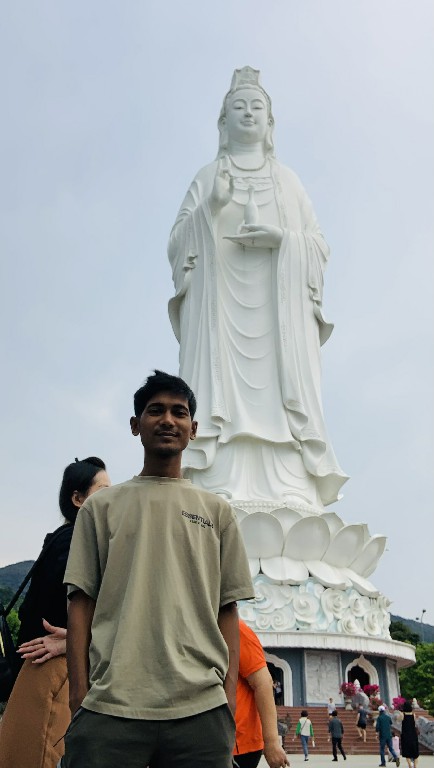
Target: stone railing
x,y
426,732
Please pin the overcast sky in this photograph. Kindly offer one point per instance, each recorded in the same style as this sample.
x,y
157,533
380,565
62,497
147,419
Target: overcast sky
x,y
108,111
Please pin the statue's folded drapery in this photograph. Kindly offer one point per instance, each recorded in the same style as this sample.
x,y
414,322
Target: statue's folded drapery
x,y
250,324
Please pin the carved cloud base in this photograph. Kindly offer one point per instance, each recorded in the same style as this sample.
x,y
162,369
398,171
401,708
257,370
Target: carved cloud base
x,y
311,607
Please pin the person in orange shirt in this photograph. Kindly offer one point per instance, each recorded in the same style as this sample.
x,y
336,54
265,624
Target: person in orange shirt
x,y
255,716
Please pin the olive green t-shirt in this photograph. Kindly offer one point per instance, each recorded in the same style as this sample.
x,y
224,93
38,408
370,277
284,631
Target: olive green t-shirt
x,y
160,557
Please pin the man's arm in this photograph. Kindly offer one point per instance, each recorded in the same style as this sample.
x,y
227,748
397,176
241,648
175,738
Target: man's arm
x,y
262,684
229,627
80,614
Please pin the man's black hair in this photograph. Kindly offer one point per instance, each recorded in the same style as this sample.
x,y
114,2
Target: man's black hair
x,y
77,476
163,382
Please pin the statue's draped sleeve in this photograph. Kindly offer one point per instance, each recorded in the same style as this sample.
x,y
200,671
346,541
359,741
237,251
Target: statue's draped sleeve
x,y
302,259
193,309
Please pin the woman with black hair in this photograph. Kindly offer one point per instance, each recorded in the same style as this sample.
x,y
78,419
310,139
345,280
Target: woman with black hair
x,y
409,736
37,714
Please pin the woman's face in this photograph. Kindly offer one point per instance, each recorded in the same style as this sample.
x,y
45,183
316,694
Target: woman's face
x,y
101,480
247,117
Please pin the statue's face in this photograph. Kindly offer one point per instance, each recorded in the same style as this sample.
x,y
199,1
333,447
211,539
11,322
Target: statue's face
x,y
247,116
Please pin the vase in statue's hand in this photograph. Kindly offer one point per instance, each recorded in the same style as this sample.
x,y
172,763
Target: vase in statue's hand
x,y
251,213
258,236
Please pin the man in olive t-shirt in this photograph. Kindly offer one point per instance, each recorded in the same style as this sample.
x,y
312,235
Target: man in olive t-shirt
x,y
154,571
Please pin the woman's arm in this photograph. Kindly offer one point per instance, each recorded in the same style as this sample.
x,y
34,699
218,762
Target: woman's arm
x,y
262,684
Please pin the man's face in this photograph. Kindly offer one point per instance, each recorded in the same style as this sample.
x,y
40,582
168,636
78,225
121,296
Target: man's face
x,y
165,426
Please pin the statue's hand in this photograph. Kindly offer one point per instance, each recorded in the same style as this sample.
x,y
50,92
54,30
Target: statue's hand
x,y
223,188
260,236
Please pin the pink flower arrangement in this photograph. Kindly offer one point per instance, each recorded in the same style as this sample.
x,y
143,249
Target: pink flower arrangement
x,y
348,689
398,702
371,690
375,702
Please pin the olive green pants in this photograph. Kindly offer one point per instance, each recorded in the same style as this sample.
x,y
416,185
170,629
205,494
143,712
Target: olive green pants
x,y
205,740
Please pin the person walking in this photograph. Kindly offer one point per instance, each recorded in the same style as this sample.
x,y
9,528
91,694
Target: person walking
x,y
361,721
277,689
383,728
304,730
336,731
409,736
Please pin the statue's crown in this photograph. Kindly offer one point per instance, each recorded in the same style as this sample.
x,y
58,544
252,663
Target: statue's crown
x,y
245,76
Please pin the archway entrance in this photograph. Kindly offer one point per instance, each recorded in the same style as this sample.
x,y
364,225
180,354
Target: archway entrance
x,y
362,670
277,675
357,673
280,670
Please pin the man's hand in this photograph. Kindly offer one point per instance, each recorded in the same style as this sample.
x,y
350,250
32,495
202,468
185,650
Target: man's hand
x,y
232,699
76,702
47,647
274,753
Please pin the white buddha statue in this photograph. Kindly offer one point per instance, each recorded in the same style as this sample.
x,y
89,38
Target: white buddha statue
x,y
248,258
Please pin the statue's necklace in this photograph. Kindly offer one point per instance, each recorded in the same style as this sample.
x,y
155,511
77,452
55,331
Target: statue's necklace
x,y
247,170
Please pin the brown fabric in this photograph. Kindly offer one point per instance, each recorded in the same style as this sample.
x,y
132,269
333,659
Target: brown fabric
x,y
36,717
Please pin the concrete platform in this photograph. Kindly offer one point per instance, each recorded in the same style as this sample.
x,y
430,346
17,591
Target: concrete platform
x,y
353,761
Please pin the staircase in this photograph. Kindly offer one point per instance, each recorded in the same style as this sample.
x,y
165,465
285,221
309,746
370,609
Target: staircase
x,y
351,742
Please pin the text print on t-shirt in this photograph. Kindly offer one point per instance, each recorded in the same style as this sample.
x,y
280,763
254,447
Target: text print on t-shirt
x,y
197,520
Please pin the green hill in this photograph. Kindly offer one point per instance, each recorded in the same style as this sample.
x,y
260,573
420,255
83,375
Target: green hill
x,y
11,577
414,626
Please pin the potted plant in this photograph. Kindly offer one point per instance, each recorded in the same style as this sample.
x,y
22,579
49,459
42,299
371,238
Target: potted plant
x,y
374,703
398,703
348,690
371,690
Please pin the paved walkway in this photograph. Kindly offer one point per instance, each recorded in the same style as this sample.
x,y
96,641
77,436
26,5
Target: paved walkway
x,y
353,761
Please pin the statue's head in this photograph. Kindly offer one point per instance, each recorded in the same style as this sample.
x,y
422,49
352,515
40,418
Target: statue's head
x,y
245,81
